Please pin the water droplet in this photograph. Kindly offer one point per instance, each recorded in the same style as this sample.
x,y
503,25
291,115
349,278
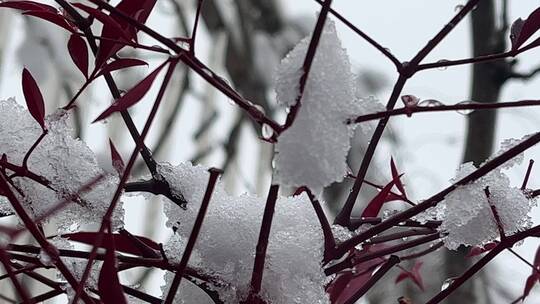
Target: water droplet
x,y
266,131
376,269
225,80
465,111
260,108
404,238
447,283
442,68
208,72
458,7
430,103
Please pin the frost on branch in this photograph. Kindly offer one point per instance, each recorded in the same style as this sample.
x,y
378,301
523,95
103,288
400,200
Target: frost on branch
x,y
63,160
313,151
467,215
226,244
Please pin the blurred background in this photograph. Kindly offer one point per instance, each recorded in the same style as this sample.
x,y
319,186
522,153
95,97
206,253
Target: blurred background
x,y
243,42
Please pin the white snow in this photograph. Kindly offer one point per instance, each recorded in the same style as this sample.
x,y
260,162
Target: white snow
x,y
313,151
65,161
467,215
226,245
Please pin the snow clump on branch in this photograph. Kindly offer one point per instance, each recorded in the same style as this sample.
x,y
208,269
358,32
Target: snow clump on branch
x,y
225,247
313,151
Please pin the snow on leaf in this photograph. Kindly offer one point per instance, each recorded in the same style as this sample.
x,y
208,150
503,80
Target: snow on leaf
x,y
133,96
313,151
33,97
79,53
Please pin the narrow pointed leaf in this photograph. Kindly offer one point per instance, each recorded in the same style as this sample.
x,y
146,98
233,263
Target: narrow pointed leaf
x,y
515,29
52,18
33,97
118,64
395,174
122,242
414,275
117,162
130,8
107,20
373,208
529,284
133,96
529,27
478,250
79,53
534,276
346,283
28,6
110,290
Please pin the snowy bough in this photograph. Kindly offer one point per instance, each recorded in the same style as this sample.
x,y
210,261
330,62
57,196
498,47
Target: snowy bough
x,y
242,249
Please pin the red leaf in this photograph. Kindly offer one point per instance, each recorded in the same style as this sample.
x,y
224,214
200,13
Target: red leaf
x,y
529,284
137,9
110,290
534,276
526,30
133,96
373,208
119,64
53,18
117,162
79,53
106,20
123,242
28,6
477,250
395,175
414,275
33,97
346,283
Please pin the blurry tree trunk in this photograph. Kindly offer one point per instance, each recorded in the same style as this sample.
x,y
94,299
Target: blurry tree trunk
x,y
487,81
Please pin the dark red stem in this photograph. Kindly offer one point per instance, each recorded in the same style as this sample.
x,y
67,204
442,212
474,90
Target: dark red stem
x,y
214,174
262,243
